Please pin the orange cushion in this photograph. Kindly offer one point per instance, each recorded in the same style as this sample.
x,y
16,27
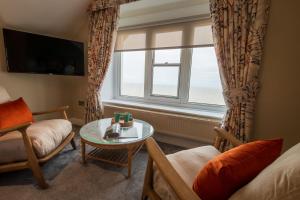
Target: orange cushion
x,y
14,113
231,170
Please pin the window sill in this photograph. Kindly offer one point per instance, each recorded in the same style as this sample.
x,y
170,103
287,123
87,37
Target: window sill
x,y
166,109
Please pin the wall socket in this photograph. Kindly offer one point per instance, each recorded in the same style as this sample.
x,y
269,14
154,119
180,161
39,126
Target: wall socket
x,y
81,103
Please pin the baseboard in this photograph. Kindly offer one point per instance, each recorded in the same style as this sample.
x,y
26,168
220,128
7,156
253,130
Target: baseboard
x,y
179,141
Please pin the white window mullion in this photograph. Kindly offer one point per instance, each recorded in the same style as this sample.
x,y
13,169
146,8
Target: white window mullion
x,y
185,75
148,74
117,77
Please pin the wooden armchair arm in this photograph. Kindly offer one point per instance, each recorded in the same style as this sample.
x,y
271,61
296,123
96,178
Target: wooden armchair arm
x,y
60,109
15,128
182,190
32,160
228,136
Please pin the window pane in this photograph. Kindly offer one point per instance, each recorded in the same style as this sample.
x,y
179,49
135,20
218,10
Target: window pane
x,y
165,81
205,84
167,56
132,73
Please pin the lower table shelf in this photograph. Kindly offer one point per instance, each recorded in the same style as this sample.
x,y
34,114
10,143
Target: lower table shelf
x,y
121,157
114,156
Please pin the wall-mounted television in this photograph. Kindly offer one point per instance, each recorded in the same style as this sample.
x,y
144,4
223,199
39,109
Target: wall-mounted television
x,y
32,53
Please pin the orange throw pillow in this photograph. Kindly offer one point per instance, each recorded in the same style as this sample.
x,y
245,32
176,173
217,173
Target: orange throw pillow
x,y
231,170
14,113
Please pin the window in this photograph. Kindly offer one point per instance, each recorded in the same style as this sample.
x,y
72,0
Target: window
x,y
166,69
173,65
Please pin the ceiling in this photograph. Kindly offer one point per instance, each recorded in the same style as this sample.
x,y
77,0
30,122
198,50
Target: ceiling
x,y
147,11
154,6
53,17
69,17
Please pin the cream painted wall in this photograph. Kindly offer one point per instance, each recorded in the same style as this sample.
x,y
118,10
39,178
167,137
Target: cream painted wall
x,y
63,19
41,92
76,87
278,106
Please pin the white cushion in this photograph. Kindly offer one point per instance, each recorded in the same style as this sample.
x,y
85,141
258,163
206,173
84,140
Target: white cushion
x,y
45,137
48,134
187,163
4,96
278,181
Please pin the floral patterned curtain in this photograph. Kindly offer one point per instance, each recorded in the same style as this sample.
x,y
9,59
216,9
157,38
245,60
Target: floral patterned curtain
x,y
103,21
239,27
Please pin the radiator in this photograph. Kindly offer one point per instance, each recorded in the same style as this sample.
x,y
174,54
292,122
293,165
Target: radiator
x,y
197,129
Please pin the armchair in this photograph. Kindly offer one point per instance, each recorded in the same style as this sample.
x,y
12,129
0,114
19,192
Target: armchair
x,y
168,167
172,176
30,144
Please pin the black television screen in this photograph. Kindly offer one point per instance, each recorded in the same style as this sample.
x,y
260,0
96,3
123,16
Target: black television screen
x,y
32,53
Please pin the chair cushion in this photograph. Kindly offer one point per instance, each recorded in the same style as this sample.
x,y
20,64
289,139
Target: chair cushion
x,y
278,181
12,148
45,136
231,170
4,96
187,163
14,113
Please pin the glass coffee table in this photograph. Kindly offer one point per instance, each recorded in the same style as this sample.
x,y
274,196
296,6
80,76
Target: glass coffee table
x,y
118,151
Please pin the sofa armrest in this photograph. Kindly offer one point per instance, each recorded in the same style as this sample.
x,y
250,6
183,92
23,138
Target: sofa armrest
x,y
182,190
59,109
15,128
228,136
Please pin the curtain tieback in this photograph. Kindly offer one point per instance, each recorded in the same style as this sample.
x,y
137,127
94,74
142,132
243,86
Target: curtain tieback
x,y
244,94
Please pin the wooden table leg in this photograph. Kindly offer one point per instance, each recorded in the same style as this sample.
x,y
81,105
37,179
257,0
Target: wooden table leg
x,y
129,161
83,152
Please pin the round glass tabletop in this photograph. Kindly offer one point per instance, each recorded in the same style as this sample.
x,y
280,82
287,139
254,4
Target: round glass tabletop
x,y
95,131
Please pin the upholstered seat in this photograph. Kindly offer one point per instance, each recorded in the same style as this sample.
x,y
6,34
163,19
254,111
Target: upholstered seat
x,y
187,163
45,137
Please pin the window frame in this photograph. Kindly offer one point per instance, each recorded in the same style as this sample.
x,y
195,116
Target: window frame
x,y
182,100
151,76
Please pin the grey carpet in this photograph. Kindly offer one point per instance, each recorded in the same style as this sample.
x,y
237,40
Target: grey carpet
x,y
69,179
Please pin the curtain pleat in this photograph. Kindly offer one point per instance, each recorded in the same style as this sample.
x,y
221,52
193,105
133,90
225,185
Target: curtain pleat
x,y
103,28
239,28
